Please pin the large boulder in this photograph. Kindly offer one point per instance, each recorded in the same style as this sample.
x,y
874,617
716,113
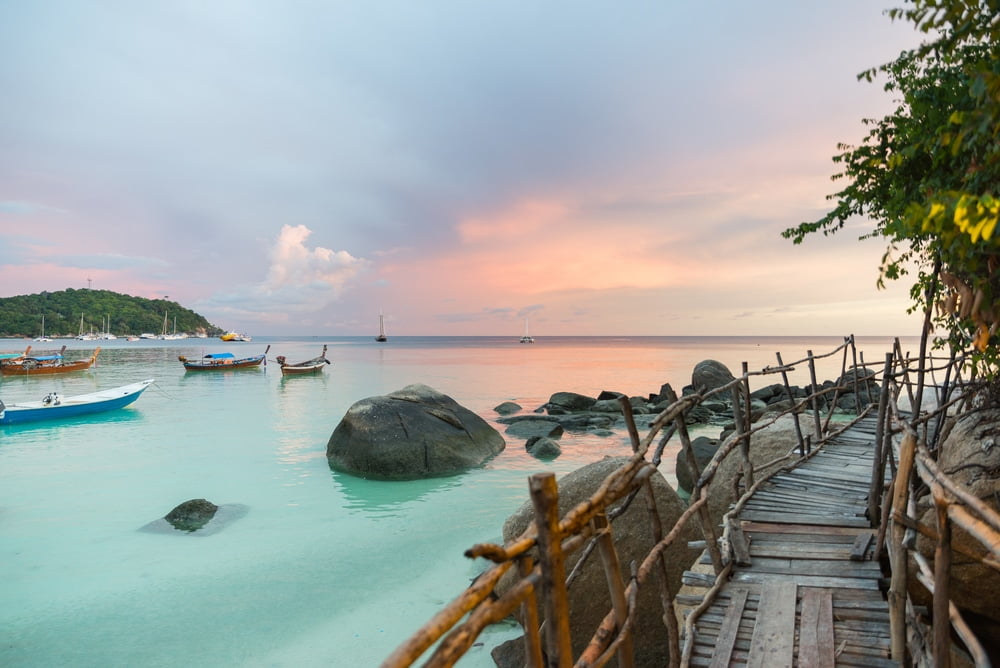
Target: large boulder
x,y
415,432
588,596
970,455
710,374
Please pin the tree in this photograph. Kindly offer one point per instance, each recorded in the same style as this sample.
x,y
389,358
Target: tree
x,y
926,174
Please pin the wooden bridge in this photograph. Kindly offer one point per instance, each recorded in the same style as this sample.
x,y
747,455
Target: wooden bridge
x,y
812,564
804,589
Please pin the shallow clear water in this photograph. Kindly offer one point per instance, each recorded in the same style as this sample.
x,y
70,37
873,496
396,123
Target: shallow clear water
x,y
322,569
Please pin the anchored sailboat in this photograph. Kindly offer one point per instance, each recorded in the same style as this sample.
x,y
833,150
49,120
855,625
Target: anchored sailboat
x,y
526,338
381,338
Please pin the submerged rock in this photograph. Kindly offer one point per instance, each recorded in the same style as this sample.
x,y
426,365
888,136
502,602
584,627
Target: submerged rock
x,y
191,515
197,517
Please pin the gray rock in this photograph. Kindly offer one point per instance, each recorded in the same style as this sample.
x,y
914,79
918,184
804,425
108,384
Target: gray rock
x,y
529,428
607,406
543,448
415,432
197,517
191,515
710,374
970,455
704,449
588,597
569,402
507,408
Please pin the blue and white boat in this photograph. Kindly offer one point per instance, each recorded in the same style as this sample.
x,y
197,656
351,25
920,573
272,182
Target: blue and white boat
x,y
53,406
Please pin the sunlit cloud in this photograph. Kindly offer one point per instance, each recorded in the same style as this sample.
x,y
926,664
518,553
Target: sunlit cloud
x,y
299,279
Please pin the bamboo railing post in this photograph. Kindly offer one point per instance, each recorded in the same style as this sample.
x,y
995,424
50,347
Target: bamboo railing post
x,y
898,349
878,461
616,589
741,429
656,528
707,528
545,499
854,377
791,399
897,551
814,393
942,580
529,613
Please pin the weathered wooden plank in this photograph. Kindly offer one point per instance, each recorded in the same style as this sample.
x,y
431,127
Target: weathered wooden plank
x,y
805,580
797,551
739,543
730,628
778,518
780,528
816,638
773,643
860,548
823,567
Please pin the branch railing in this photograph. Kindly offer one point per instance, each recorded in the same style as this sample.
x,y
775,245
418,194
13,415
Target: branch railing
x,y
536,559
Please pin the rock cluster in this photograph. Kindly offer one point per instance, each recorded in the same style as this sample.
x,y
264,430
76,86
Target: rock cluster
x,y
602,415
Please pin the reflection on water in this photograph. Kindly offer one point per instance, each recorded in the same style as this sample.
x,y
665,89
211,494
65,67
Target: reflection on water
x,y
387,498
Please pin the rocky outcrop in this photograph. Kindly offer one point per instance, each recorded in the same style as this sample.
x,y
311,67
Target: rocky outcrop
x,y
415,432
970,455
588,595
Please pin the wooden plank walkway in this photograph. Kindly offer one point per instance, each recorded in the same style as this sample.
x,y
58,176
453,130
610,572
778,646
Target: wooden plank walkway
x,y
811,595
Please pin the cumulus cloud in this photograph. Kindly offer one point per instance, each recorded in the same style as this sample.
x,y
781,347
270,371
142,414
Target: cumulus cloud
x,y
299,279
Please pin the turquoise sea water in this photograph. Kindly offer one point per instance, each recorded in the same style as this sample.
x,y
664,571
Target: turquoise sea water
x,y
322,569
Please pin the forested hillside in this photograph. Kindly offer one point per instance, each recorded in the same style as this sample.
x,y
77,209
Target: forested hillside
x,y
21,316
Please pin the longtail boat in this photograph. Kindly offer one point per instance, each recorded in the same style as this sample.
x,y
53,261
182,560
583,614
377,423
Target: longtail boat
x,y
7,357
222,361
315,365
39,365
52,406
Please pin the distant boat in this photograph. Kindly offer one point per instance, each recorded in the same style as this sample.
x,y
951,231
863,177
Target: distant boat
x,y
222,361
315,365
236,336
39,365
52,406
526,338
381,338
43,337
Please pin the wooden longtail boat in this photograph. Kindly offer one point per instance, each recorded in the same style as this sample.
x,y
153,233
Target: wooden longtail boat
x,y
222,361
7,357
52,406
315,365
40,365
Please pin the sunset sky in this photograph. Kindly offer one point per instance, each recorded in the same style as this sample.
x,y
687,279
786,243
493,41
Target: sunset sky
x,y
596,168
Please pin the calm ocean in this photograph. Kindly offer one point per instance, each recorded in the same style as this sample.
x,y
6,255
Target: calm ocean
x,y
323,569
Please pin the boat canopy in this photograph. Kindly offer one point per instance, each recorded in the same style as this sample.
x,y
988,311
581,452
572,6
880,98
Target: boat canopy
x,y
45,358
219,356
